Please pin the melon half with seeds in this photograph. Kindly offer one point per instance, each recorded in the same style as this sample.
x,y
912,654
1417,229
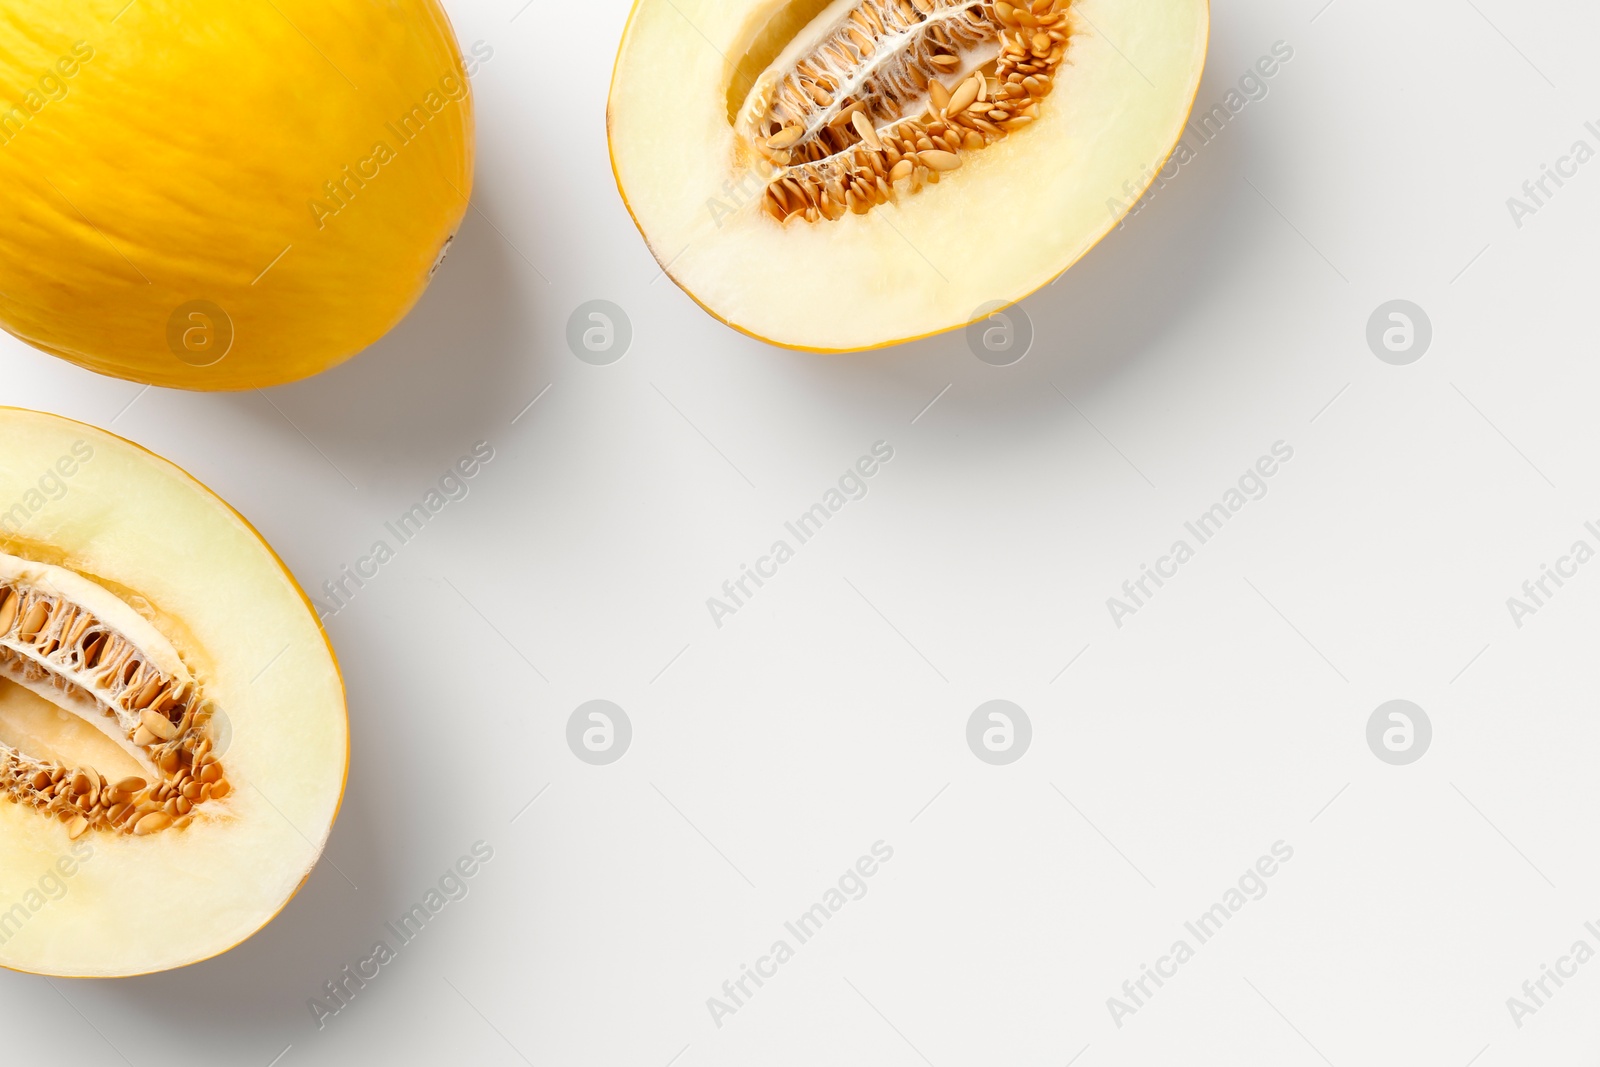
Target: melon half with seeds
x,y
845,175
173,737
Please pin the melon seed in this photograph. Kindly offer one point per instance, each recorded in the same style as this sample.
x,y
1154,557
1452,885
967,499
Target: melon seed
x,y
152,823
158,724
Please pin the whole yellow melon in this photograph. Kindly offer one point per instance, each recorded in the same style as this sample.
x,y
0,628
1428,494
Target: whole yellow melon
x,y
217,194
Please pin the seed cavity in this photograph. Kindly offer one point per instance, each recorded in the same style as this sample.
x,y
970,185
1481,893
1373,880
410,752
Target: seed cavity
x,y
62,651
884,96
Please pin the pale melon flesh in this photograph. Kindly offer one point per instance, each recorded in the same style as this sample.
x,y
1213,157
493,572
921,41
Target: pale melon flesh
x,y
153,651
700,128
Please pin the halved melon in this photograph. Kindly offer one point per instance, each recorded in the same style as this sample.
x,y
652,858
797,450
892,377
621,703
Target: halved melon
x,y
844,175
173,736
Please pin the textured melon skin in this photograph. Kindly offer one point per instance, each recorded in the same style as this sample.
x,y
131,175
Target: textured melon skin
x,y
172,154
1008,222
140,526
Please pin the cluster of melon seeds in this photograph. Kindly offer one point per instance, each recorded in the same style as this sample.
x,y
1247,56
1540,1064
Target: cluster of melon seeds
x,y
893,94
62,652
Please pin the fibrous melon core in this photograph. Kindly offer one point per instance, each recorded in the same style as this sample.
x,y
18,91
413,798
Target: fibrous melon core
x,y
78,646
876,96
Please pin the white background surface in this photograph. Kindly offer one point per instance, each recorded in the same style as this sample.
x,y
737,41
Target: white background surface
x,y
830,713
